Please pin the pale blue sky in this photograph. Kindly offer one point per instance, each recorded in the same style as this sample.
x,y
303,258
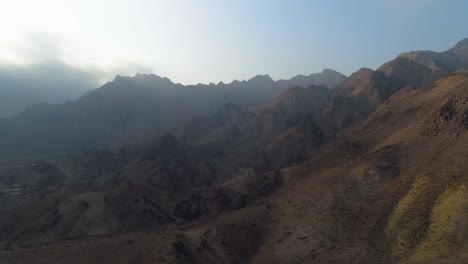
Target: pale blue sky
x,y
211,40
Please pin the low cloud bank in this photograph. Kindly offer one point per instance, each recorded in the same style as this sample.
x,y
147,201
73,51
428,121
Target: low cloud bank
x,y
43,75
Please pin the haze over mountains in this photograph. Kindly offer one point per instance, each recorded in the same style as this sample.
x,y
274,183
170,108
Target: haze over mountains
x,y
24,86
133,110
369,168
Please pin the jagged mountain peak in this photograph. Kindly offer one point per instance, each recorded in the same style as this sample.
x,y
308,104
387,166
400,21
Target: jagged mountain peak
x,y
331,71
261,78
146,77
119,77
462,44
364,70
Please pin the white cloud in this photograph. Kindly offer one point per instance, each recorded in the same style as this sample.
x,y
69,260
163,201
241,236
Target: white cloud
x,y
73,33
42,67
36,48
180,39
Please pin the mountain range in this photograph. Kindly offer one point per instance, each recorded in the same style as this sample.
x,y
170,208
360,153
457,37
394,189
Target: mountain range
x,y
369,168
133,110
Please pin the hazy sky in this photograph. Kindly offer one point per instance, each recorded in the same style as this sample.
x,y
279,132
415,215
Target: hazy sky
x,y
211,40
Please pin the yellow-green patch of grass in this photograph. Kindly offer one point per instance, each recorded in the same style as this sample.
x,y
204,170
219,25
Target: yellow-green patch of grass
x,y
447,232
399,225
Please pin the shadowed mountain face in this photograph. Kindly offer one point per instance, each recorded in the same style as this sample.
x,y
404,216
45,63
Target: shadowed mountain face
x,y
132,111
373,171
282,132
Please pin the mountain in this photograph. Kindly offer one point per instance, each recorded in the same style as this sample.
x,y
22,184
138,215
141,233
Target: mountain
x,y
390,188
413,69
373,171
448,61
292,120
217,166
132,111
327,77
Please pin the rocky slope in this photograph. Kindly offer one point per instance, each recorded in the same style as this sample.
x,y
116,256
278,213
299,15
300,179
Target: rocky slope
x,y
391,190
